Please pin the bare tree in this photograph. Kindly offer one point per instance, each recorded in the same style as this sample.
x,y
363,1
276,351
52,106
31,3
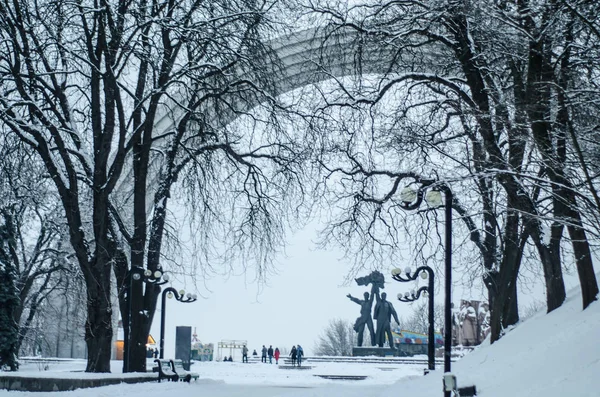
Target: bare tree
x,y
418,320
337,339
120,100
32,216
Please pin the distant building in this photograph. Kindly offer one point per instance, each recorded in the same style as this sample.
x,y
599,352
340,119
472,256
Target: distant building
x,y
119,344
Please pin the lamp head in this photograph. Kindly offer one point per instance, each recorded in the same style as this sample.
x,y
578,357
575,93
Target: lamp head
x,y
408,194
433,198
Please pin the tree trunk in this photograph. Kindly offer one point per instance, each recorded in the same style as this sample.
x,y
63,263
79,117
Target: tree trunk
x,y
98,327
583,259
510,316
504,309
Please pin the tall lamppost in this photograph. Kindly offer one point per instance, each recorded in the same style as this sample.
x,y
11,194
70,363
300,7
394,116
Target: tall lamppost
x,y
411,199
181,296
426,273
137,274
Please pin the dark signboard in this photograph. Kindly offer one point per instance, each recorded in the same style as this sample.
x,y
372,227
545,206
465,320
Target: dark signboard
x,y
183,345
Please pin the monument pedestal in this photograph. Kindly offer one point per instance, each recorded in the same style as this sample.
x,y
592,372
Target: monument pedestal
x,y
362,351
402,350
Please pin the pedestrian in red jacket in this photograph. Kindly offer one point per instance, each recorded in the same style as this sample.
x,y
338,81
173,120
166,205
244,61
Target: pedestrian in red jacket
x,y
276,355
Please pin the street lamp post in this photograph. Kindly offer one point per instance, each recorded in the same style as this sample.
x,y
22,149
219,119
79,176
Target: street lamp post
x,y
412,199
137,274
426,273
181,296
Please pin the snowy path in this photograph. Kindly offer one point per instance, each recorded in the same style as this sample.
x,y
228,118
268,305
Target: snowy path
x,y
220,379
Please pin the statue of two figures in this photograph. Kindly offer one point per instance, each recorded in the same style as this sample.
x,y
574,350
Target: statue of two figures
x,y
384,311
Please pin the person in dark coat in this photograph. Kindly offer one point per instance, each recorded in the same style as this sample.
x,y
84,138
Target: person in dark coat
x,y
270,353
263,358
254,354
245,354
299,354
293,353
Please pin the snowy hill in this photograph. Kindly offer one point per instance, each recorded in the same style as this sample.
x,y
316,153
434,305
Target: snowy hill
x,y
549,355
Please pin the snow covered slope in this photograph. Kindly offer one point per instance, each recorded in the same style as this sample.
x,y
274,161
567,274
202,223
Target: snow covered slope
x,y
549,355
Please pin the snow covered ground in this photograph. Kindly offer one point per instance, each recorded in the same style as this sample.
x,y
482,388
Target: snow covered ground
x,y
554,355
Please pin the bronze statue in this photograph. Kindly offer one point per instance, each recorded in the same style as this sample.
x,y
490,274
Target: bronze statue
x,y
365,317
383,314
376,279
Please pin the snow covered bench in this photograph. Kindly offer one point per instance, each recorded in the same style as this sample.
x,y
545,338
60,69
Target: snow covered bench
x,y
165,370
182,373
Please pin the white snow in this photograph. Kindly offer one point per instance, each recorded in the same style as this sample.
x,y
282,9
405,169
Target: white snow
x,y
549,355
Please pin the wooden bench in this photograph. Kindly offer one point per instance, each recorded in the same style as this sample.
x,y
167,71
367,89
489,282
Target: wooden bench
x,y
182,373
165,370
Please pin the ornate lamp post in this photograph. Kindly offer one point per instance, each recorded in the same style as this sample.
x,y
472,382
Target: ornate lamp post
x,y
181,296
426,273
135,275
411,199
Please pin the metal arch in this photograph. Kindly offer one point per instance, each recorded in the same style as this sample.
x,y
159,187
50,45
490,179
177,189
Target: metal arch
x,y
300,59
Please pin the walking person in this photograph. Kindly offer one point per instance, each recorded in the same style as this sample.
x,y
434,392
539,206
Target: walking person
x,y
270,353
244,354
299,354
276,354
263,358
293,355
